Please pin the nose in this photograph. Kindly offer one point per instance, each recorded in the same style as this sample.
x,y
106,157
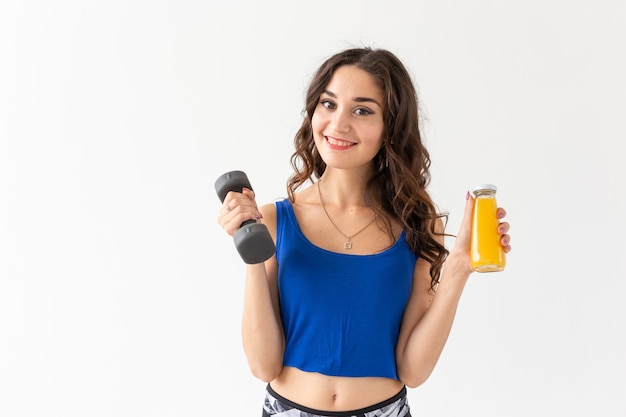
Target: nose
x,y
341,121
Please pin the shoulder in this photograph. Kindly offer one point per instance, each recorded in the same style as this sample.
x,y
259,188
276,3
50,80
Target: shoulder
x,y
268,211
303,200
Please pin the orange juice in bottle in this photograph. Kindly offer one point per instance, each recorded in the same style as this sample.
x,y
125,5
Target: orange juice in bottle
x,y
486,252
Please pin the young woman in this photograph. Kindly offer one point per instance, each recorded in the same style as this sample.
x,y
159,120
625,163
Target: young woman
x,y
356,304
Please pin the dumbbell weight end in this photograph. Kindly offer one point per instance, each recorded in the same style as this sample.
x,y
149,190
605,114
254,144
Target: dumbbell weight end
x,y
254,243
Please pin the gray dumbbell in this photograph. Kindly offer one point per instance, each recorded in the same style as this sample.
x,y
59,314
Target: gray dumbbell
x,y
252,240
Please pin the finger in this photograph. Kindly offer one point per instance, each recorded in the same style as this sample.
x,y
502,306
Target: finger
x,y
505,241
232,220
503,228
233,200
469,209
239,206
465,229
236,209
248,193
501,213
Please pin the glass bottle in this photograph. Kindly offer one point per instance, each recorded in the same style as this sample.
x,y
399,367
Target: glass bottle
x,y
486,252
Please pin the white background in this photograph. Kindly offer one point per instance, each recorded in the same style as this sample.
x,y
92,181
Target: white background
x,y
121,296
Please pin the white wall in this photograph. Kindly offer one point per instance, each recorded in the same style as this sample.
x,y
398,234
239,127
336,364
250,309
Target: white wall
x,y
120,295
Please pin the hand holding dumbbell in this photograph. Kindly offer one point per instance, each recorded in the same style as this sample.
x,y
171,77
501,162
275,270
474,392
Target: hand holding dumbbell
x,y
252,240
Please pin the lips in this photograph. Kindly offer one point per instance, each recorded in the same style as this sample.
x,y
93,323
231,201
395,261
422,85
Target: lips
x,y
335,143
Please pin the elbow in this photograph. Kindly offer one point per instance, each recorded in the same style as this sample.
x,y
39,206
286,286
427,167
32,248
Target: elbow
x,y
265,372
414,379
413,382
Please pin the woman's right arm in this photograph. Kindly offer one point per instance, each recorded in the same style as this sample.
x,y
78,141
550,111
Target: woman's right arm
x,y
262,334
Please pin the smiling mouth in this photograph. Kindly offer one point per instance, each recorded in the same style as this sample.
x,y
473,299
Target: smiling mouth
x,y
338,142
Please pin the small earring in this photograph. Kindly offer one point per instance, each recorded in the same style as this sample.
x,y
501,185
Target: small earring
x,y
387,152
382,162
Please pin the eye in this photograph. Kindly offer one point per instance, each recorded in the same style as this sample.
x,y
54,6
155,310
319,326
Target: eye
x,y
327,104
363,111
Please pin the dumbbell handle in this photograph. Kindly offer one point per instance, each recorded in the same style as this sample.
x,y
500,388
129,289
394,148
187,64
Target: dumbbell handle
x,y
233,181
252,240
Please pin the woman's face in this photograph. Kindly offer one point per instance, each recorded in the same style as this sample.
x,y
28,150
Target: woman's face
x,y
348,120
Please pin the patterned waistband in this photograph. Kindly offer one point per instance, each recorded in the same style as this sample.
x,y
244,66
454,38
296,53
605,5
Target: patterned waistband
x,y
278,406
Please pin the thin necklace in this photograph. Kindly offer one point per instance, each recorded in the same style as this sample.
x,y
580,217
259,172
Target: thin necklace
x,y
348,243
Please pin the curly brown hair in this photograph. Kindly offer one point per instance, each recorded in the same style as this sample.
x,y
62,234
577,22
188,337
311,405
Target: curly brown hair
x,y
399,184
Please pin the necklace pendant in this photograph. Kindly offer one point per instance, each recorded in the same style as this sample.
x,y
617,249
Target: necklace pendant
x,y
347,245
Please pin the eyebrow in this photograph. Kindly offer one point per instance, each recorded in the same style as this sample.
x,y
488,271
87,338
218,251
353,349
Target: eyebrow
x,y
357,99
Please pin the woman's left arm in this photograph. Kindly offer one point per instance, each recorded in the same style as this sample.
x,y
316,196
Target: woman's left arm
x,y
429,315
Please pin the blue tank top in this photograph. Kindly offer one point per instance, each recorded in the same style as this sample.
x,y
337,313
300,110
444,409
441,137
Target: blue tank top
x,y
341,313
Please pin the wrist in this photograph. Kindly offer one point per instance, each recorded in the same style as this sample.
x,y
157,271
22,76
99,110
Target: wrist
x,y
457,266
256,271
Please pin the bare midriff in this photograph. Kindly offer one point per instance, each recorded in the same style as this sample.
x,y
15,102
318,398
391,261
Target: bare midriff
x,y
332,393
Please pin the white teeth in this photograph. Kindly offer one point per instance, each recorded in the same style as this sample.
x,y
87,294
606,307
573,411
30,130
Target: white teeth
x,y
336,142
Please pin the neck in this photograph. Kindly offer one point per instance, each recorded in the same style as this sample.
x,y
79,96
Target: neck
x,y
344,189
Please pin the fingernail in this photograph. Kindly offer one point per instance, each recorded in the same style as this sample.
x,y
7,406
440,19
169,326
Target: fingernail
x,y
467,196
259,216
